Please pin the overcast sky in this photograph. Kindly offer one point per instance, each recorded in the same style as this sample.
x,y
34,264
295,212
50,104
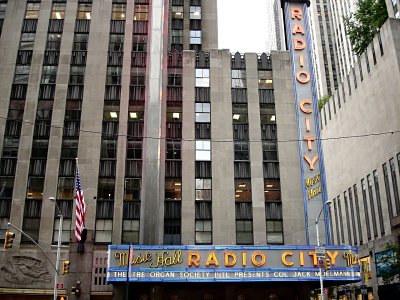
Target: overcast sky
x,y
242,25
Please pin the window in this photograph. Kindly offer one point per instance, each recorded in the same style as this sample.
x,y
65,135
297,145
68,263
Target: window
x,y
118,12
372,206
270,151
177,36
243,190
116,43
31,222
175,79
131,222
5,211
203,189
114,75
195,12
239,79
202,78
358,213
141,12
346,207
394,184
105,188
173,149
32,11
265,80
337,222
53,41
77,74
172,223
80,42
244,223
132,189
35,188
177,12
173,189
274,223
139,42
3,7
27,40
353,218
49,74
203,114
195,37
239,113
267,114
272,190
21,74
378,201
203,150
58,11
203,225
103,228
134,149
84,11
241,149
65,188
364,195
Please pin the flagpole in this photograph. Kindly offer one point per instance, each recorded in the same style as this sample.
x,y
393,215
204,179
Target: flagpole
x,y
127,273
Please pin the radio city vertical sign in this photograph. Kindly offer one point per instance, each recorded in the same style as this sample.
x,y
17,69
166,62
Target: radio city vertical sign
x,y
306,103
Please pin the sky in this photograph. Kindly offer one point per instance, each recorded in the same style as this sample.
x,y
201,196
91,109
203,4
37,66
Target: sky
x,y
242,25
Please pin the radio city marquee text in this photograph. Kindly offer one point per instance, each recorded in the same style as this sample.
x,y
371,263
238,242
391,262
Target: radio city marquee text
x,y
225,264
303,77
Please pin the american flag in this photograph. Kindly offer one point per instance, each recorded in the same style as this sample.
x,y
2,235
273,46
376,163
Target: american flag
x,y
80,206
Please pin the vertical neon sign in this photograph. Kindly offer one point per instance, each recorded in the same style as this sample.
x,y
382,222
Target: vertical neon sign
x,y
310,149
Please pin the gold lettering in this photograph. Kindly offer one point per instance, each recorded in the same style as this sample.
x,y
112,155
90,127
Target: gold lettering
x,y
303,104
193,258
314,256
284,261
244,259
311,193
332,256
140,258
297,28
351,259
301,58
308,129
299,44
122,257
297,13
254,258
309,140
230,259
301,257
311,162
300,77
212,260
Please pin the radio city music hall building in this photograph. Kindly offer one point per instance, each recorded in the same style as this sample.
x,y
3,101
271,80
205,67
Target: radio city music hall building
x,y
202,170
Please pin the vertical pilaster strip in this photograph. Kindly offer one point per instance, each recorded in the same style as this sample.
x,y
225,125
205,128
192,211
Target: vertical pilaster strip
x,y
152,212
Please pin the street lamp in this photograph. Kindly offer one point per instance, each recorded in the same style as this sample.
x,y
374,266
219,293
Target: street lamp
x,y
60,215
318,244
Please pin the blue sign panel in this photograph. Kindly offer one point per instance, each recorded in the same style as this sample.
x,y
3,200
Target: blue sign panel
x,y
227,263
306,103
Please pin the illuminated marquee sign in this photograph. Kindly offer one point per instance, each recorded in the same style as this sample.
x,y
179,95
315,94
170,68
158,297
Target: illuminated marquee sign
x,y
311,161
226,263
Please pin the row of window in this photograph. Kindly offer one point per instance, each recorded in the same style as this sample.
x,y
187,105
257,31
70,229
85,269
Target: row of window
x,y
370,202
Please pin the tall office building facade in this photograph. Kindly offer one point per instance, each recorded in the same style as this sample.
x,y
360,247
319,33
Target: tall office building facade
x,y
364,187
332,50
